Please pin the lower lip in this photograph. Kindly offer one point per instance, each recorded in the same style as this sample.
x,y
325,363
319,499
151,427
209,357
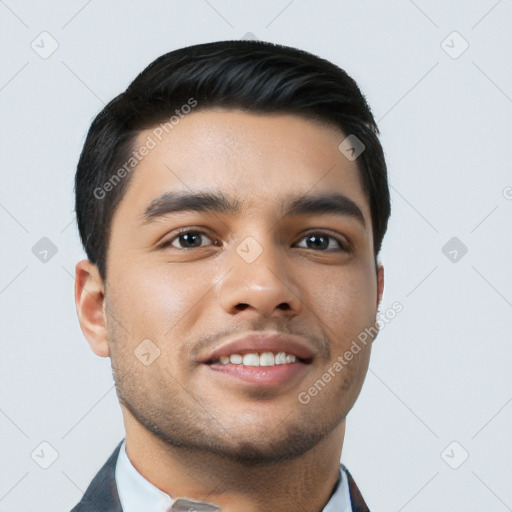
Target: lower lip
x,y
262,375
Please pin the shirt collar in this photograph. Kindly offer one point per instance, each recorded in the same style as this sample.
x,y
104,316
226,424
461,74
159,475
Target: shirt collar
x,y
137,494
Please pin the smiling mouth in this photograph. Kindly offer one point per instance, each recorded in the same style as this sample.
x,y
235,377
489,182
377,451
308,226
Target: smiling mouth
x,y
267,359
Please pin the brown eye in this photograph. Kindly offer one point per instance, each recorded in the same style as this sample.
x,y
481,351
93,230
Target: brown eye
x,y
188,239
323,242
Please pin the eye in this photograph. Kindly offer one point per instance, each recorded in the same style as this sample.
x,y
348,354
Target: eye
x,y
188,239
324,242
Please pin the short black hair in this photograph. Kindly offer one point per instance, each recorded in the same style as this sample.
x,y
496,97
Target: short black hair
x,y
255,76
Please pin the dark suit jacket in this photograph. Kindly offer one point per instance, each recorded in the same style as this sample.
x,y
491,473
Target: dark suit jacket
x,y
102,496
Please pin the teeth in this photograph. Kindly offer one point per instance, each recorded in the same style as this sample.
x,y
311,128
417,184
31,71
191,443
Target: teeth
x,y
251,359
267,359
263,359
280,358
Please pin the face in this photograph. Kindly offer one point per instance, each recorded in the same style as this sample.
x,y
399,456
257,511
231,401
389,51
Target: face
x,y
191,278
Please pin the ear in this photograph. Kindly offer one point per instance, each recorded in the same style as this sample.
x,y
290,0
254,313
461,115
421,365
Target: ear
x,y
89,302
380,283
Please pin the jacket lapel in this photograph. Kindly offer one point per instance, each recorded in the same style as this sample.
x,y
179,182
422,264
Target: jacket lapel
x,y
356,499
101,495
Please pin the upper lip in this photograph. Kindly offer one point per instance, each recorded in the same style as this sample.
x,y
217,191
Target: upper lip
x,y
259,342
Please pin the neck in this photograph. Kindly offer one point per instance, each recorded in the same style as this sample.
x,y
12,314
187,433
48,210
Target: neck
x,y
304,483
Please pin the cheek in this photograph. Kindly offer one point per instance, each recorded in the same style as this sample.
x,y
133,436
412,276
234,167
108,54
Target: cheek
x,y
156,301
344,300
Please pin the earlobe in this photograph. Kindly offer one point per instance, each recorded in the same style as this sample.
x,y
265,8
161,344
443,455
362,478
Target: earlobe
x,y
89,302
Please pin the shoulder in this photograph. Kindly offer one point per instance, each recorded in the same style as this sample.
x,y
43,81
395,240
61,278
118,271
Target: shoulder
x,y
101,495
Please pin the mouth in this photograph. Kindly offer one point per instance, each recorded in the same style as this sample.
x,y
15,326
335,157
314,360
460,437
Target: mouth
x,y
262,360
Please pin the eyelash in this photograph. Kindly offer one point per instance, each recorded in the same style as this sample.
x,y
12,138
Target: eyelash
x,y
344,246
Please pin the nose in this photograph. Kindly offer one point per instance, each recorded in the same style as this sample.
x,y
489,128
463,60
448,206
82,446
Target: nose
x,y
263,285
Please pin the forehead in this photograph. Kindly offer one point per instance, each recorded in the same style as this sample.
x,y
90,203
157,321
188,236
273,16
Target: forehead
x,y
258,158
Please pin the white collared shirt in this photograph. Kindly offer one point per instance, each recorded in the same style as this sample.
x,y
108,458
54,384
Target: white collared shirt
x,y
139,495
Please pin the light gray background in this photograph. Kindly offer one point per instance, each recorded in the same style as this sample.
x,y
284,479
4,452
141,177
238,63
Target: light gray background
x,y
440,371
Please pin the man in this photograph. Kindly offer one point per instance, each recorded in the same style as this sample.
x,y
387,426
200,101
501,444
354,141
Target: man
x,y
232,204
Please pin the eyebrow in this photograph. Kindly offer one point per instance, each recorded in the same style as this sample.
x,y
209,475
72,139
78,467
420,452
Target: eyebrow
x,y
172,202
